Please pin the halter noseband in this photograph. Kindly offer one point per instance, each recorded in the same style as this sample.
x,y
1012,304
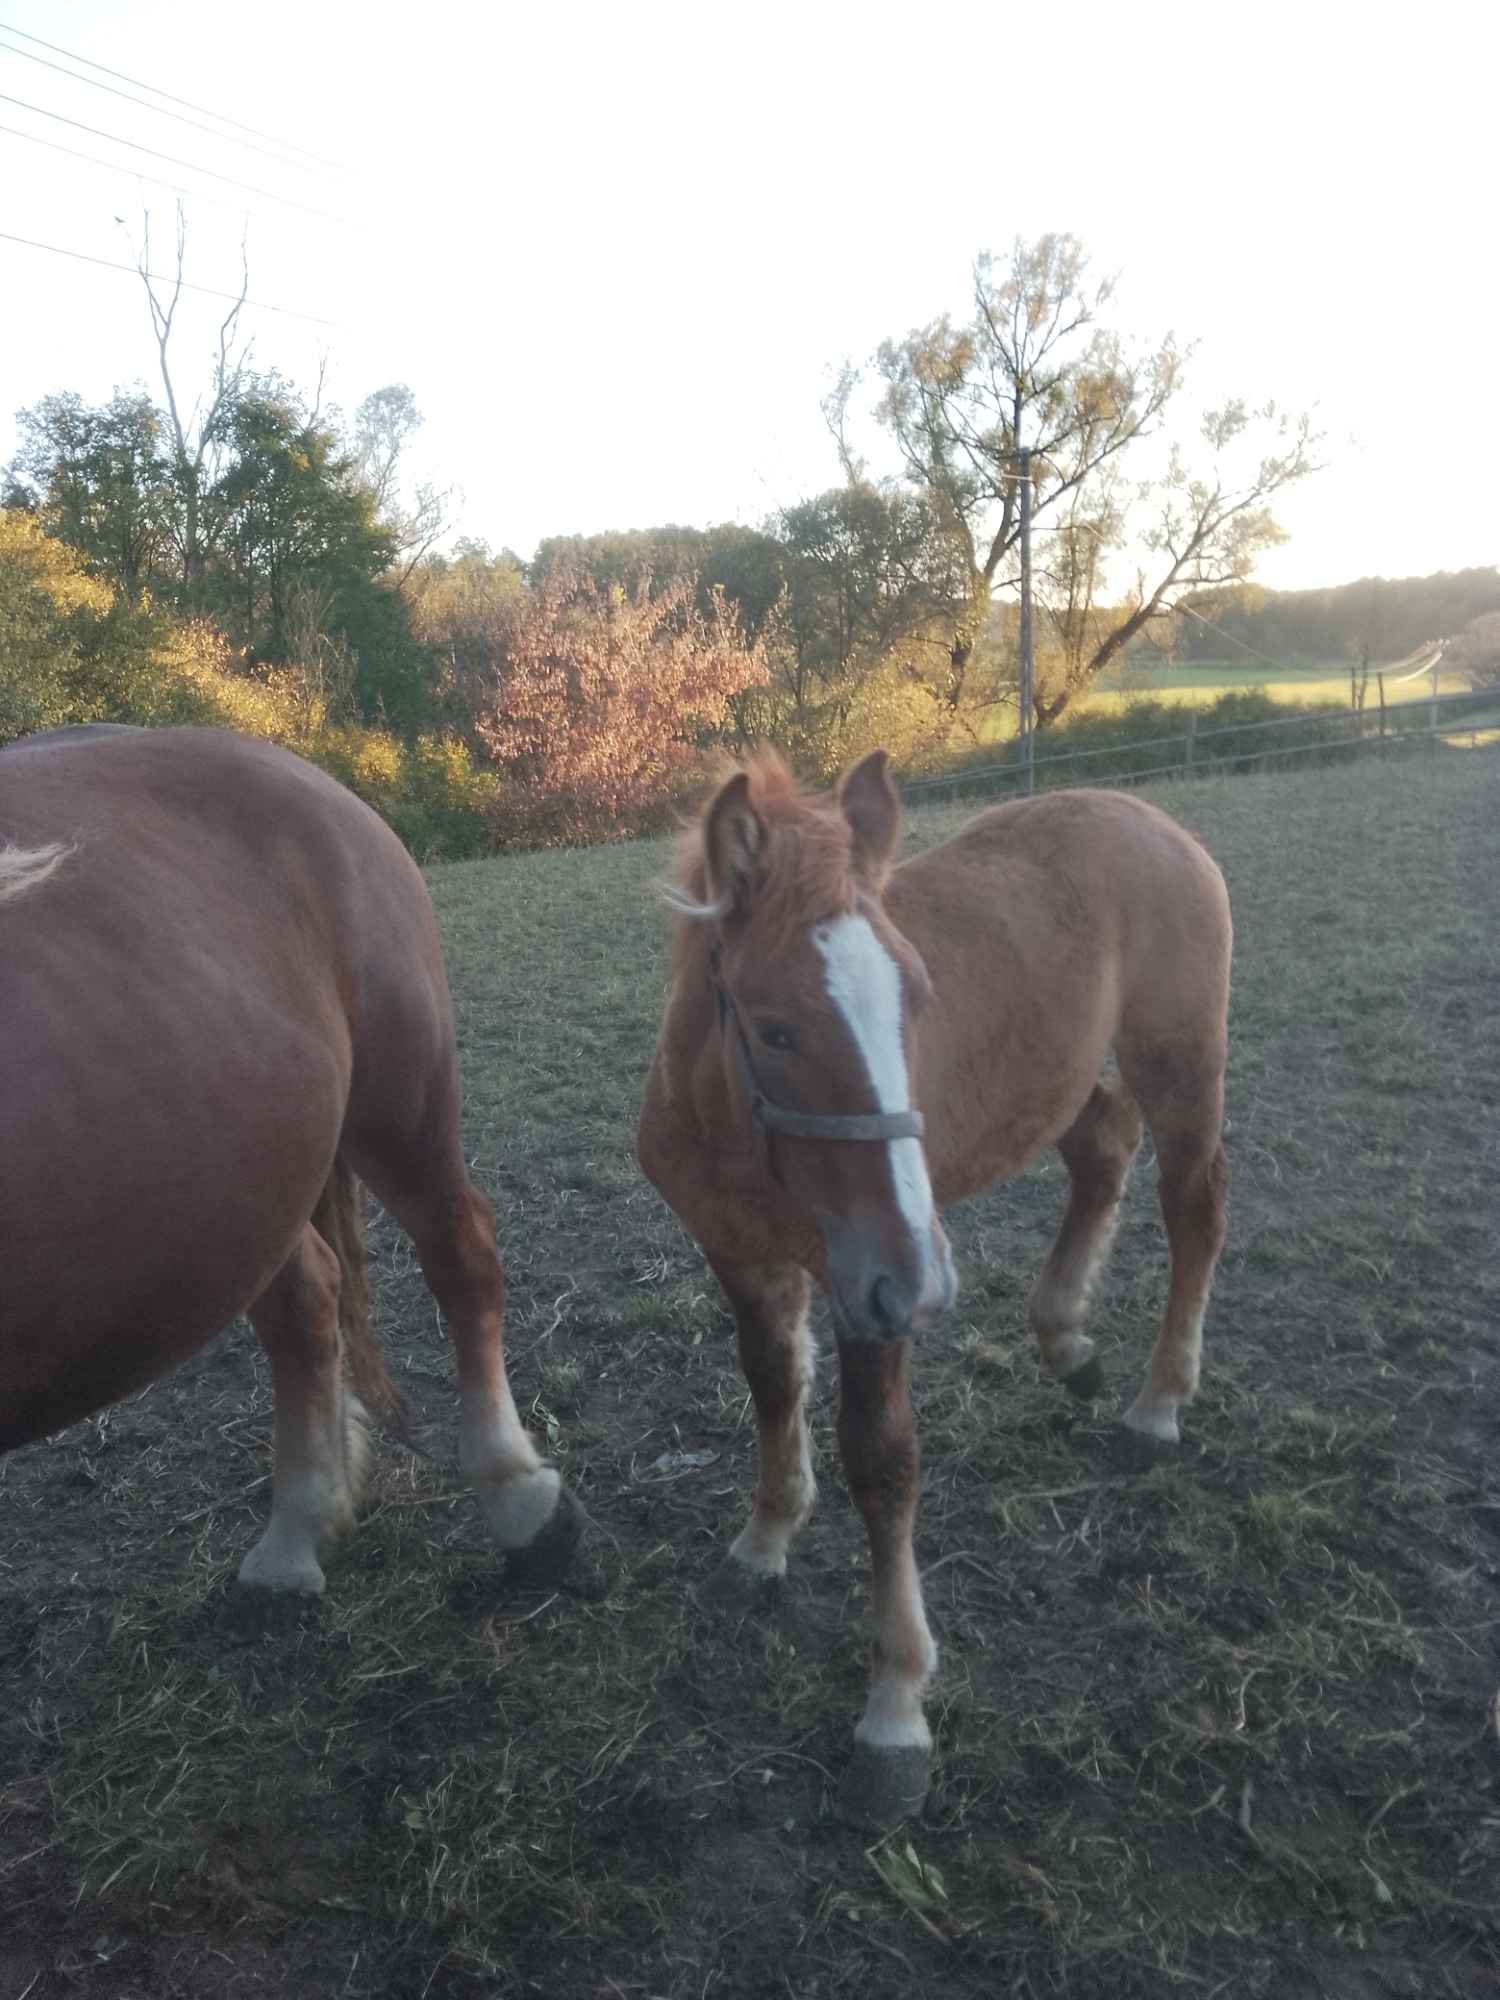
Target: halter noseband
x,y
770,1118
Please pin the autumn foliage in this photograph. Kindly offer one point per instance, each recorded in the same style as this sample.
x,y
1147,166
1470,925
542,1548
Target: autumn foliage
x,y
601,700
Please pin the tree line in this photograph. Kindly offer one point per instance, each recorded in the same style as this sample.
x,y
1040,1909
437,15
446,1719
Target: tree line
x,y
259,556
1372,622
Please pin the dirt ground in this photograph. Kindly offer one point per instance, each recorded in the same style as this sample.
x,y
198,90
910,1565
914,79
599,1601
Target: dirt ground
x,y
1223,1724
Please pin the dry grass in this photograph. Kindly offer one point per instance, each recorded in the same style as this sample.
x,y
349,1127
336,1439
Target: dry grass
x,y
1224,1725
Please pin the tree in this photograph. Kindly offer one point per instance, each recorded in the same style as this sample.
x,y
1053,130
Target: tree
x,y
196,437
463,609
292,516
1476,650
1362,644
1033,365
1203,527
52,615
1393,616
384,425
99,479
746,564
603,698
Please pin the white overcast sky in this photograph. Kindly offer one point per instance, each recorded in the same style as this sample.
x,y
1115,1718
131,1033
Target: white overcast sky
x,y
617,251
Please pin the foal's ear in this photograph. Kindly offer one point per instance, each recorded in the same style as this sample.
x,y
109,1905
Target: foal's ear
x,y
733,837
871,806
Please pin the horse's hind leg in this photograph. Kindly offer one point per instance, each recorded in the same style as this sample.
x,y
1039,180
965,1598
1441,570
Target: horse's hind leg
x,y
319,1427
528,1510
770,1308
1097,1150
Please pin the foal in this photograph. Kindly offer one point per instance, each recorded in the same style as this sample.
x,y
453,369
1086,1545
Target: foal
x,y
845,1046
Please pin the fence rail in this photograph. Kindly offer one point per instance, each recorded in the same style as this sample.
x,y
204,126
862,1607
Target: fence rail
x,y
1205,751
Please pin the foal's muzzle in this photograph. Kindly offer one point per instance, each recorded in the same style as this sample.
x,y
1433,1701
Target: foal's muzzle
x,y
887,1298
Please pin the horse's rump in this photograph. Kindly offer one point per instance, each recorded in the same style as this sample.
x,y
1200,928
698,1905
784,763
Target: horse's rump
x,y
226,1001
216,939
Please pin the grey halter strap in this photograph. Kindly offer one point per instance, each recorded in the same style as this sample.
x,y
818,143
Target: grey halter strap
x,y
769,1117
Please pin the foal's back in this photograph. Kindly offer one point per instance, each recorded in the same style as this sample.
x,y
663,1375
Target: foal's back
x,y
1054,929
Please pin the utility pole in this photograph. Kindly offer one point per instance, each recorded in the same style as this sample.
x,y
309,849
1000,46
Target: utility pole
x,y
1027,690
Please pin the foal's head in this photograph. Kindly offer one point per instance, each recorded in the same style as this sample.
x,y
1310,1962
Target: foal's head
x,y
818,996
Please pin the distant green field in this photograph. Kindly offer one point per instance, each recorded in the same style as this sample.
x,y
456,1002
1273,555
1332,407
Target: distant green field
x,y
1326,681
1197,684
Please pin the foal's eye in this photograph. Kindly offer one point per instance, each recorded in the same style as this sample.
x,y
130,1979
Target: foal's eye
x,y
776,1037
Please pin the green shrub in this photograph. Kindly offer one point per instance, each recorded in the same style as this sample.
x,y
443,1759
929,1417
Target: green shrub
x,y
1118,745
73,650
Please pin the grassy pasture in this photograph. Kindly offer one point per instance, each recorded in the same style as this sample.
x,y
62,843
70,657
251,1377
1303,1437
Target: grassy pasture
x,y
1321,681
1199,683
1224,1725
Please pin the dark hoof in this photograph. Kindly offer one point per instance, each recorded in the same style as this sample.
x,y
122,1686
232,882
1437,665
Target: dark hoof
x,y
1134,1451
248,1612
733,1591
883,1787
1087,1382
544,1560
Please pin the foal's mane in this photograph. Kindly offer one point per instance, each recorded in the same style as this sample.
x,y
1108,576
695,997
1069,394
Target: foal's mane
x,y
804,867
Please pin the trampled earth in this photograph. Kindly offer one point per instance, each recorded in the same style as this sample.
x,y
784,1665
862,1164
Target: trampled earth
x,y
1224,1724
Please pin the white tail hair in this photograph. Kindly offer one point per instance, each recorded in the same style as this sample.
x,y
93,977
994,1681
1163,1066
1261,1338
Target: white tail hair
x,y
23,868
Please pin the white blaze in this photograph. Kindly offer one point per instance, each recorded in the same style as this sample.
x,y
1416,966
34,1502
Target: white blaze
x,y
864,984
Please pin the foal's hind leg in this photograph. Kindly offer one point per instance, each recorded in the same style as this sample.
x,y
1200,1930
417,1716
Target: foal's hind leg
x,y
1186,1117
1097,1150
319,1429
1194,1178
770,1308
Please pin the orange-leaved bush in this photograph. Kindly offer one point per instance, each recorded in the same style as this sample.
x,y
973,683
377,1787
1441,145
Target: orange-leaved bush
x,y
603,700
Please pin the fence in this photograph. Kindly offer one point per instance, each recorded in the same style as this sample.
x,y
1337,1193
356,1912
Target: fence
x,y
1334,736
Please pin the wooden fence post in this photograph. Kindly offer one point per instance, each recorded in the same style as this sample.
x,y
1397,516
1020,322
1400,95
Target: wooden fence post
x,y
1380,684
1432,705
1192,731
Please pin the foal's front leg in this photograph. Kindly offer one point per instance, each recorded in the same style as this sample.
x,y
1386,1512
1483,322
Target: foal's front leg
x,y
770,1303
888,1775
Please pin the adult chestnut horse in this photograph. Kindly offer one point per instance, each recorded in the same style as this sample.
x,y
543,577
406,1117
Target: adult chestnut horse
x,y
222,998
846,1045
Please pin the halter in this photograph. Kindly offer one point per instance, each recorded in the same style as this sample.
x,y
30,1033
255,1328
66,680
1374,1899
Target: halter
x,y
769,1118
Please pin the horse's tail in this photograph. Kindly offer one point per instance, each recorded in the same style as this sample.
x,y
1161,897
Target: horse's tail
x,y
23,868
339,1220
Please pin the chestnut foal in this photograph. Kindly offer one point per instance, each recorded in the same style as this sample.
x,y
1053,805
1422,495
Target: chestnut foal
x,y
847,1045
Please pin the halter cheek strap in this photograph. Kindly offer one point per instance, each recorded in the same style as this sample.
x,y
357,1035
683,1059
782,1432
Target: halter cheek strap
x,y
770,1118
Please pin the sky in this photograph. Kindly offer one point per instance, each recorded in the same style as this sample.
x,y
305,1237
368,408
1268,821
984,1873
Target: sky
x,y
619,252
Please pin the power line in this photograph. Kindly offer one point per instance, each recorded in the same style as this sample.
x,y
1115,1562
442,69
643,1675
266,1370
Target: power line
x,y
134,271
172,160
187,103
118,167
145,104
1281,665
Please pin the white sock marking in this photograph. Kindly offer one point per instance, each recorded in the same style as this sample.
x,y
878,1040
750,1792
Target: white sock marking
x,y
1154,1417
1066,1353
893,1717
517,1512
